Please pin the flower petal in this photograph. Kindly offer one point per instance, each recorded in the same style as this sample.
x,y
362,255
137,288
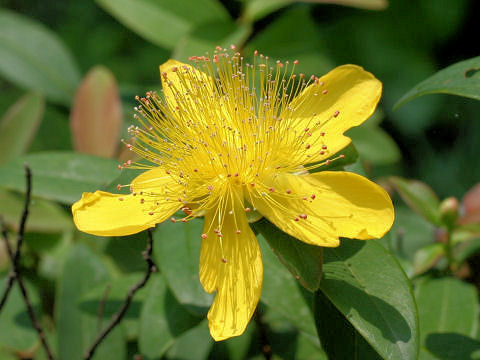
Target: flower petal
x,y
232,266
105,214
323,206
339,100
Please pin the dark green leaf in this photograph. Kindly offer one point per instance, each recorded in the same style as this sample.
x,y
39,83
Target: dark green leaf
x,y
177,254
338,337
282,293
164,22
162,320
447,305
279,41
368,286
61,176
419,196
374,145
304,261
19,125
34,57
462,78
81,271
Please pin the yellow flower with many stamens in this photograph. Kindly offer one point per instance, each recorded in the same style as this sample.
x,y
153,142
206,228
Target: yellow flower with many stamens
x,y
225,138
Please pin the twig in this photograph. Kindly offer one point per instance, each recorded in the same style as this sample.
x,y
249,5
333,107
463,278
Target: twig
x,y
15,272
101,307
117,317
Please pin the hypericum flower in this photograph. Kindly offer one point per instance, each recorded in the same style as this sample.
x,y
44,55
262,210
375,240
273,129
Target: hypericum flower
x,y
226,138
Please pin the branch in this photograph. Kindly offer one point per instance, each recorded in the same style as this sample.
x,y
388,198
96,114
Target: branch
x,y
15,272
147,255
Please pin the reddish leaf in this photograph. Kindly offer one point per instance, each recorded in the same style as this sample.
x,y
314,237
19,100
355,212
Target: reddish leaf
x,y
96,117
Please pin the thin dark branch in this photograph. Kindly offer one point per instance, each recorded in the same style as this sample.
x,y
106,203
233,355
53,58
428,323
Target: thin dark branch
x,y
15,272
117,317
101,307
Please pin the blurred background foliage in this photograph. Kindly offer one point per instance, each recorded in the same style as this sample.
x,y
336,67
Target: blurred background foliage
x,y
69,71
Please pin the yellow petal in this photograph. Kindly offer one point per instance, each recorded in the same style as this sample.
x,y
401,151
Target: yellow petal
x,y
348,89
232,266
324,206
187,89
105,214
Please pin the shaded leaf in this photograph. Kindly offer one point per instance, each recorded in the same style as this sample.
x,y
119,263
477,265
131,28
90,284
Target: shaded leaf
x,y
338,337
367,285
96,115
177,253
452,346
374,145
76,330
195,344
164,22
446,305
282,293
304,261
162,320
419,196
19,125
33,57
59,175
462,78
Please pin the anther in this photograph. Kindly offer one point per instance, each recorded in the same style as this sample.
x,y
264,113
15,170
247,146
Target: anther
x,y
289,191
150,213
120,198
303,216
224,260
173,220
238,232
335,114
271,189
324,91
203,236
247,209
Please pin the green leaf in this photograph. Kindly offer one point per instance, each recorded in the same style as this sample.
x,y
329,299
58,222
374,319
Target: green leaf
x,y
195,344
44,216
447,305
16,330
304,261
206,37
338,337
285,40
164,22
427,257
77,330
96,117
33,57
374,145
162,320
367,285
177,254
238,346
60,175
19,125
282,293
419,196
462,78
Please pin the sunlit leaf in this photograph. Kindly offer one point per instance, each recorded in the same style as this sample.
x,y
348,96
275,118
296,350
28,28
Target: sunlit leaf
x,y
419,196
61,176
427,256
446,305
96,116
164,22
462,78
44,216
19,125
304,261
33,57
367,285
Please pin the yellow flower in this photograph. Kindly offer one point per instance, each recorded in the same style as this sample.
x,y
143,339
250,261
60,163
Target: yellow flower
x,y
226,138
